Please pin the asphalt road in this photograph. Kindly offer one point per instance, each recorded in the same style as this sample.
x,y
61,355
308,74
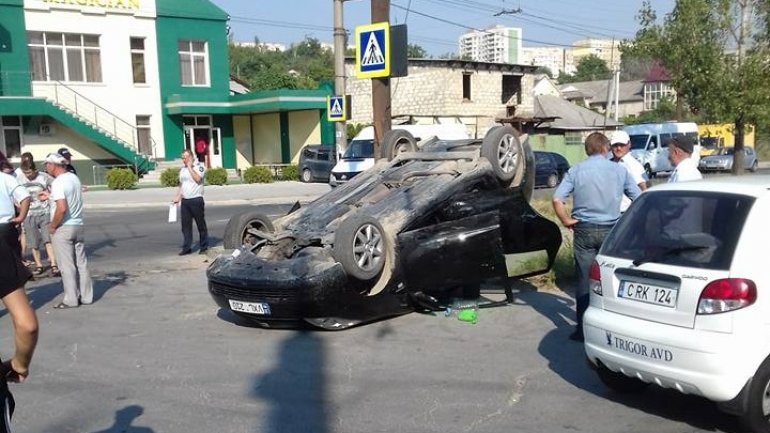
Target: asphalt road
x,y
154,354
143,238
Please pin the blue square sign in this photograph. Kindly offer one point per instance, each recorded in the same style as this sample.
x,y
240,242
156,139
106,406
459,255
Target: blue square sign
x,y
336,109
373,51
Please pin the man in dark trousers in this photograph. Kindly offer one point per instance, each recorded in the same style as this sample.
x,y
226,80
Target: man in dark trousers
x,y
597,186
190,195
13,277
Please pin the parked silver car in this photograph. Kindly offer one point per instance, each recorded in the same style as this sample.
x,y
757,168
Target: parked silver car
x,y
723,160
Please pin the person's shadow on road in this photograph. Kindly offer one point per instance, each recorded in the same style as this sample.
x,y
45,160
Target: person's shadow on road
x,y
296,388
567,359
42,293
123,419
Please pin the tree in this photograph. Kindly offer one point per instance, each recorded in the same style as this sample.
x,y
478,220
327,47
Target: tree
x,y
308,61
716,53
414,51
633,68
589,68
544,70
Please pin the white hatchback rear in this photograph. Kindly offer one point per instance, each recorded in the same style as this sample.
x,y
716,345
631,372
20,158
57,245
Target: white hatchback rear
x,y
680,295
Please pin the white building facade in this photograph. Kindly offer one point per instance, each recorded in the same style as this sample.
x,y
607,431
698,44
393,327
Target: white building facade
x,y
494,45
556,59
605,49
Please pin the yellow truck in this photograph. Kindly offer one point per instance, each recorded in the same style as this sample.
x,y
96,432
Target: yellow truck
x,y
714,137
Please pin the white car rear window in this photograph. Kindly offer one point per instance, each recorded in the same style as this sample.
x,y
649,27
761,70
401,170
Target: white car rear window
x,y
683,228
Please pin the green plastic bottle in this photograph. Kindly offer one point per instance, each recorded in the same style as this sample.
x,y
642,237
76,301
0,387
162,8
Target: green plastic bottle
x,y
468,315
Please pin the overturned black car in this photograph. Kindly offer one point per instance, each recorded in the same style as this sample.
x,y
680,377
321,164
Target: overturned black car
x,y
428,218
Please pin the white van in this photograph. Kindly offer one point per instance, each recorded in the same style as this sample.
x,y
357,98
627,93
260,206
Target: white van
x,y
359,155
649,143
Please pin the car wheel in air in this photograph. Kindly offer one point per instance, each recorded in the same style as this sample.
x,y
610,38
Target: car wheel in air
x,y
757,417
360,247
552,181
754,166
397,141
307,175
502,148
240,229
619,382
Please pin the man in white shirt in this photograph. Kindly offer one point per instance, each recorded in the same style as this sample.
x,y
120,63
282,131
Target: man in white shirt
x,y
68,234
679,151
620,145
190,195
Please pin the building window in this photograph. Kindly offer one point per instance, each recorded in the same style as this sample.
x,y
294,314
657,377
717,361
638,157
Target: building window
x,y
10,139
193,63
573,138
64,57
655,92
137,60
466,87
143,137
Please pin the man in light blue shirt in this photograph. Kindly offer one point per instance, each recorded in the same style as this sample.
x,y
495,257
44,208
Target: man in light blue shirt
x,y
597,186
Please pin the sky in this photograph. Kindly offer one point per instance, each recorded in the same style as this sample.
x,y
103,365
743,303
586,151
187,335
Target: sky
x,y
436,24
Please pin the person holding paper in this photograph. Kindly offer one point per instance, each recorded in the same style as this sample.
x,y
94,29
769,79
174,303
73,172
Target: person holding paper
x,y
190,195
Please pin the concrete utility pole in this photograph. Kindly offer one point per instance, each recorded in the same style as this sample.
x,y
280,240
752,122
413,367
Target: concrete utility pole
x,y
380,86
340,132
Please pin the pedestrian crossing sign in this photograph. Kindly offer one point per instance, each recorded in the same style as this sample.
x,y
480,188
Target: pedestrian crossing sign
x,y
336,109
373,50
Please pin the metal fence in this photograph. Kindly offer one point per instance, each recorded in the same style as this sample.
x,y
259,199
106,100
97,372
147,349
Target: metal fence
x,y
100,172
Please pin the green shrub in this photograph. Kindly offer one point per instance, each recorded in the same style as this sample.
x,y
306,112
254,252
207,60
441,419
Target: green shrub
x,y
257,175
120,178
290,172
216,176
170,177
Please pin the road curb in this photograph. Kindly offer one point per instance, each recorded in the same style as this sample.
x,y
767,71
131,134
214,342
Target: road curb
x,y
229,202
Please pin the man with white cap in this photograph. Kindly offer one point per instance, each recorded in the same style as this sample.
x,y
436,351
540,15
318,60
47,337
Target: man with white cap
x,y
67,233
620,145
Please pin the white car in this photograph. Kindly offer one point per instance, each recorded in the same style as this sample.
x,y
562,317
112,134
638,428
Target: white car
x,y
679,295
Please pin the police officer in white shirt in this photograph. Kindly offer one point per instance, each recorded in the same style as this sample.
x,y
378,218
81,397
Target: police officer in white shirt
x,y
620,146
190,195
679,151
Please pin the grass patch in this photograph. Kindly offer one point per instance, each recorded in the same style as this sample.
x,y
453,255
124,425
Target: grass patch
x,y
562,272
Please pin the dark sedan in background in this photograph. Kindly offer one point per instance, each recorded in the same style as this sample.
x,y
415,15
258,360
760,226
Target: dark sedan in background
x,y
316,163
550,168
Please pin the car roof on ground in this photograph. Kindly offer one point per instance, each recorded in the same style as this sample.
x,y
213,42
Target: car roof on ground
x,y
752,185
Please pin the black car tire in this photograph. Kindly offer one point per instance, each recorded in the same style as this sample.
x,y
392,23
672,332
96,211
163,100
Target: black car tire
x,y
552,180
307,176
619,382
236,231
360,246
501,146
755,417
754,166
397,141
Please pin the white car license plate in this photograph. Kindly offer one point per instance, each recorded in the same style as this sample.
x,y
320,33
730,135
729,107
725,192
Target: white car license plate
x,y
250,307
651,294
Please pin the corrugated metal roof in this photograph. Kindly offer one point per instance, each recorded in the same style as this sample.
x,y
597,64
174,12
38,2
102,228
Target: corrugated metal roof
x,y
568,115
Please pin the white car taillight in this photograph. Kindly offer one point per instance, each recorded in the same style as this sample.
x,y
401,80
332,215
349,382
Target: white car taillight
x,y
595,279
727,294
